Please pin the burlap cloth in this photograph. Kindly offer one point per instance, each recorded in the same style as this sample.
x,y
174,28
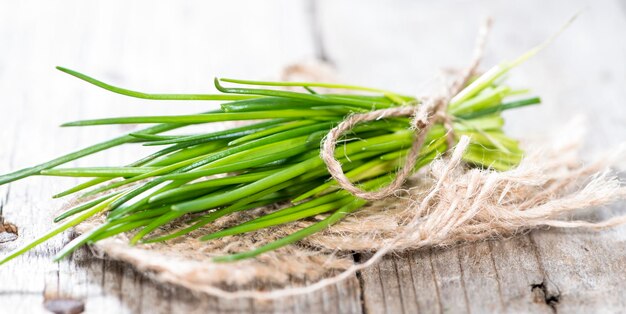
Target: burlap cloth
x,y
447,204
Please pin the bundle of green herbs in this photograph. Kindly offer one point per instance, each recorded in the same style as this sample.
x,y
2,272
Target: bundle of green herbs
x,y
199,178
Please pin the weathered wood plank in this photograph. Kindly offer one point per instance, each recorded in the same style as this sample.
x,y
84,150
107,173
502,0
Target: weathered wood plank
x,y
428,296
586,273
448,276
518,269
481,279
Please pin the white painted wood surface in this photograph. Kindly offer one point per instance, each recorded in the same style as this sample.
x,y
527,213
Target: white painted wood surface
x,y
179,46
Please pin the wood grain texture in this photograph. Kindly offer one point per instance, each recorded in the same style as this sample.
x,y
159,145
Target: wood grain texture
x,y
178,47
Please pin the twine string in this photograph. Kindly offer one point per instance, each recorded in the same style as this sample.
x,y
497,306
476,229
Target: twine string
x,y
424,112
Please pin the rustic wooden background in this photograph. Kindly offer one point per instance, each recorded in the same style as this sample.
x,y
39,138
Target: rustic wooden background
x,y
178,46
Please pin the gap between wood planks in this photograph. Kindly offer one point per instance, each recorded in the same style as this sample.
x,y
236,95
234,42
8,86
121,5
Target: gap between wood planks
x,y
8,231
545,291
317,35
321,54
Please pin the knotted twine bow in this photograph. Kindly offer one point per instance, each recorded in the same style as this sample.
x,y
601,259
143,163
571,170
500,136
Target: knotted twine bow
x,y
424,112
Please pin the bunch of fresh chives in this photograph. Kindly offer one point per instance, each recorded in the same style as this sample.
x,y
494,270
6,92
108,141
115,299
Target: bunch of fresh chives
x,y
273,160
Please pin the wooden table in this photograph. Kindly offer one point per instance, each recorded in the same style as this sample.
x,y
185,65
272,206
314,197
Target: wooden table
x,y
171,46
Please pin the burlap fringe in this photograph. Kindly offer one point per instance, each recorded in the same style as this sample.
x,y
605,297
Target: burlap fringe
x,y
447,205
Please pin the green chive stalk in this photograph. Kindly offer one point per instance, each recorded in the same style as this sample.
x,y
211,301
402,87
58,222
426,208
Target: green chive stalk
x,y
272,160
